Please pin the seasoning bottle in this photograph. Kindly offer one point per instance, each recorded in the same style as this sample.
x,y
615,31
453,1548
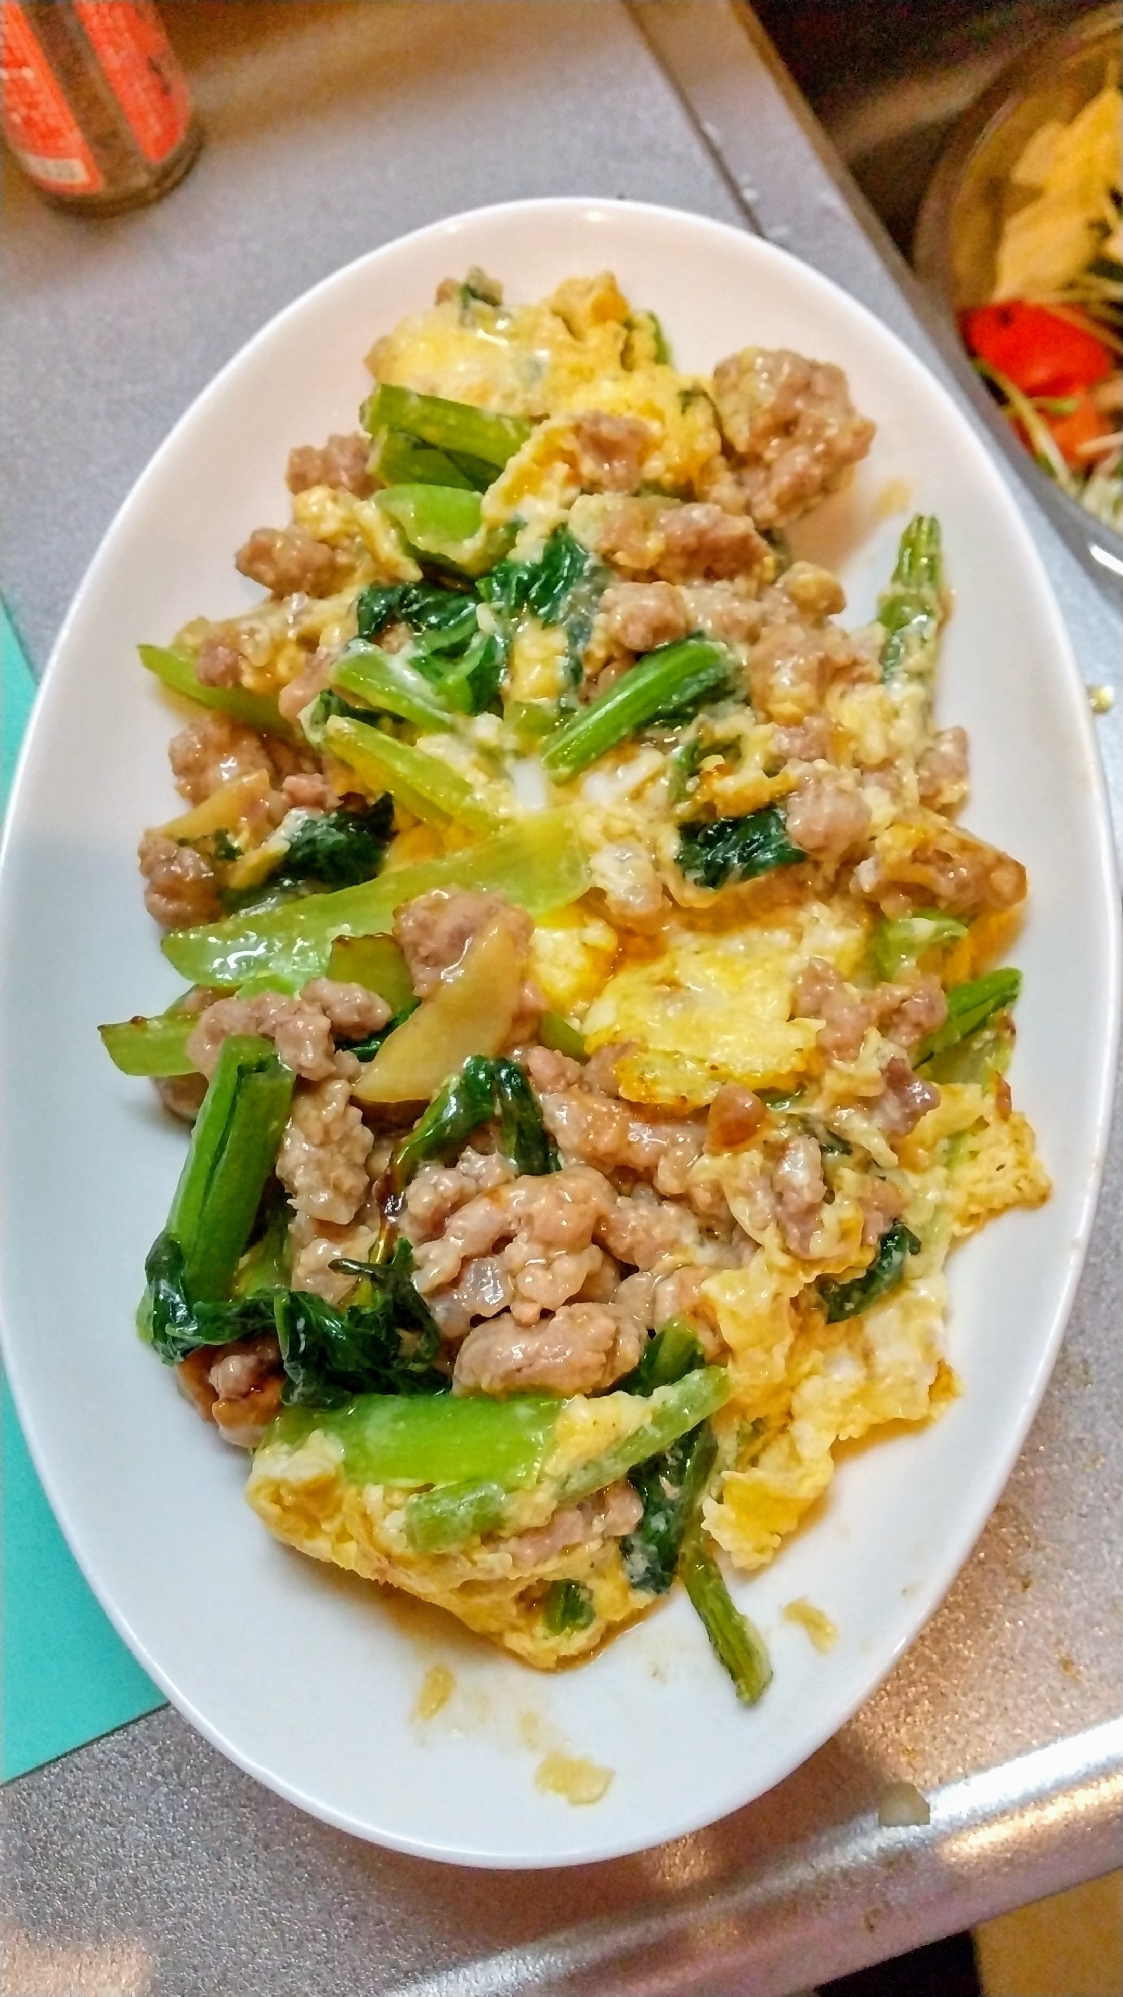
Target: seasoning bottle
x,y
93,103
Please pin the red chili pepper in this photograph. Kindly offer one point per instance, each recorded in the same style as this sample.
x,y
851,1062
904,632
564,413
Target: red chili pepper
x,y
1041,353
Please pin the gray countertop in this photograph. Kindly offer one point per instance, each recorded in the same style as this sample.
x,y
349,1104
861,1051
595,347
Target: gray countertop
x,y
144,1862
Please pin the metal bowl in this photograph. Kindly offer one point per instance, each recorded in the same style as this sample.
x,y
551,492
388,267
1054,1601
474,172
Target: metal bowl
x,y
969,199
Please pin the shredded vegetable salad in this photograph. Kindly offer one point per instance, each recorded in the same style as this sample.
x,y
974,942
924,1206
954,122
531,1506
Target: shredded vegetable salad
x,y
1049,343
594,1038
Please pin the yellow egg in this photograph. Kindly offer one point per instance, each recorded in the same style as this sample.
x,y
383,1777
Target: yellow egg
x,y
710,1010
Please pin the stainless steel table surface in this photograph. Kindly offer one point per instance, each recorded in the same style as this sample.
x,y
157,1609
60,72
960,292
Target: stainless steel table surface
x,y
145,1862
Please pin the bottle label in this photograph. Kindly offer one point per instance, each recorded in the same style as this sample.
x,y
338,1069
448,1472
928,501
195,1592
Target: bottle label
x,y
39,124
142,72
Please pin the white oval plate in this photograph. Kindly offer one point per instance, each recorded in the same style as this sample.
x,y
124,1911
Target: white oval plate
x,y
303,1676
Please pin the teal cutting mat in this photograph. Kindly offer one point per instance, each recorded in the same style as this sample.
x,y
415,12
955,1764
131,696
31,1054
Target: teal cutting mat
x,y
65,1675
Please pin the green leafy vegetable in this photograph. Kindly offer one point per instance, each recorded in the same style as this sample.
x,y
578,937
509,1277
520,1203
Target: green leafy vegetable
x,y
443,619
670,1355
895,944
384,1345
885,1273
523,1137
472,684
664,683
446,525
540,864
568,1606
911,609
464,1102
669,1487
177,671
234,1144
564,586
463,663
969,1007
725,850
483,1089
338,849
177,1327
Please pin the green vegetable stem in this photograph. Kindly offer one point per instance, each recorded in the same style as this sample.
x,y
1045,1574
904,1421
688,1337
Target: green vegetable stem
x,y
666,683
735,1642
388,682
726,850
442,1519
969,1007
897,943
177,672
445,524
155,1046
540,864
568,1606
561,1036
423,783
912,608
443,1440
457,428
233,1148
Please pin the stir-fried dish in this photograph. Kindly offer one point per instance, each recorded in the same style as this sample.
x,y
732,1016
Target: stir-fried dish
x,y
593,1038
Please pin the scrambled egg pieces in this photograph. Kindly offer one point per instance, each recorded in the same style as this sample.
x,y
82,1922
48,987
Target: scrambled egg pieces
x,y
698,989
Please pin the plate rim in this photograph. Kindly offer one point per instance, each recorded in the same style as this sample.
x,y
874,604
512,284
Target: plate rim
x,y
955,1547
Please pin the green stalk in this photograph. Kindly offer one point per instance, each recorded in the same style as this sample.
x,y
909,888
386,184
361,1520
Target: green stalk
x,y
442,1439
970,1006
672,1410
445,524
155,1046
736,1644
388,682
894,944
400,460
912,608
234,1145
675,677
539,864
425,785
457,427
177,671
442,1519
556,1032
